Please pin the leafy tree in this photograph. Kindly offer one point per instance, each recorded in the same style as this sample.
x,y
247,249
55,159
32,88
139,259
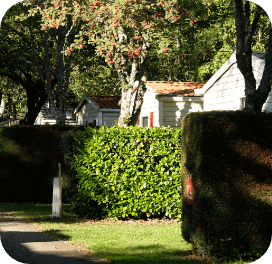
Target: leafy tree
x,y
94,77
189,60
224,35
168,65
34,58
30,83
19,64
16,63
204,46
124,32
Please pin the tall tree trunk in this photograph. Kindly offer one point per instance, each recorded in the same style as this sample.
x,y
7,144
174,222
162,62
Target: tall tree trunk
x,y
178,61
35,94
35,100
125,115
126,83
255,98
140,92
59,112
128,117
14,111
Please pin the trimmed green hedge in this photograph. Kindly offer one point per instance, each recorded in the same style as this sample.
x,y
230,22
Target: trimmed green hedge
x,y
129,171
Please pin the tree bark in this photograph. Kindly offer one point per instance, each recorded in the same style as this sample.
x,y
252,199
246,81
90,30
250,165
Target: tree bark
x,y
140,92
255,98
128,117
63,68
35,101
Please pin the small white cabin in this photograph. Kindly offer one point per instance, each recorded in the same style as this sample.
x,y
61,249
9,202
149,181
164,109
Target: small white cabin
x,y
166,103
98,111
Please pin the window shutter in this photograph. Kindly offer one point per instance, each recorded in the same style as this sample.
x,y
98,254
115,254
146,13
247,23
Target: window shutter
x,y
138,121
151,119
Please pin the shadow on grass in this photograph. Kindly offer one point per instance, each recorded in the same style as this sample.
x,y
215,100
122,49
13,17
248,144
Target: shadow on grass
x,y
153,254
57,233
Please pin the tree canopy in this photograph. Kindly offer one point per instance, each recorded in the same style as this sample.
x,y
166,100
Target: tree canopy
x,y
114,43
124,33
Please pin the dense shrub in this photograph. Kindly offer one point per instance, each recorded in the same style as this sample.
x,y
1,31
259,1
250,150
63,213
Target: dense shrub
x,y
128,171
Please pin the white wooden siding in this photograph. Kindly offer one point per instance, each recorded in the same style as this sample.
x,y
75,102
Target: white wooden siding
x,y
168,111
87,113
226,92
150,104
174,111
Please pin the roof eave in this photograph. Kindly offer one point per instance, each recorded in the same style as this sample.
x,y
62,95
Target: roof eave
x,y
160,97
217,75
80,105
257,65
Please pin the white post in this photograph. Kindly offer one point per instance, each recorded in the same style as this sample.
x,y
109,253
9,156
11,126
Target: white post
x,y
57,191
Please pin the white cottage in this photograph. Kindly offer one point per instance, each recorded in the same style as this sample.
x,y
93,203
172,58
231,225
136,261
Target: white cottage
x,y
98,110
226,89
166,103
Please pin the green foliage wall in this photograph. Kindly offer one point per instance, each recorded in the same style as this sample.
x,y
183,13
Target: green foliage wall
x,y
228,155
129,171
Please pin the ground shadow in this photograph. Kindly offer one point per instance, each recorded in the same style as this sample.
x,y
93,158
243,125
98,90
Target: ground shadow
x,y
24,247
37,247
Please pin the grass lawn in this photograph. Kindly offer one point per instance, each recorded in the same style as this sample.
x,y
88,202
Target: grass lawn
x,y
126,242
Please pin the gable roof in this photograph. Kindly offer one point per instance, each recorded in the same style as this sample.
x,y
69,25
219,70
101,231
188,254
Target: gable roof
x,y
170,89
108,102
258,62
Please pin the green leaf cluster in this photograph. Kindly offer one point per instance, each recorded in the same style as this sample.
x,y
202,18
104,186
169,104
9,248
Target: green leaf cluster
x,y
131,171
